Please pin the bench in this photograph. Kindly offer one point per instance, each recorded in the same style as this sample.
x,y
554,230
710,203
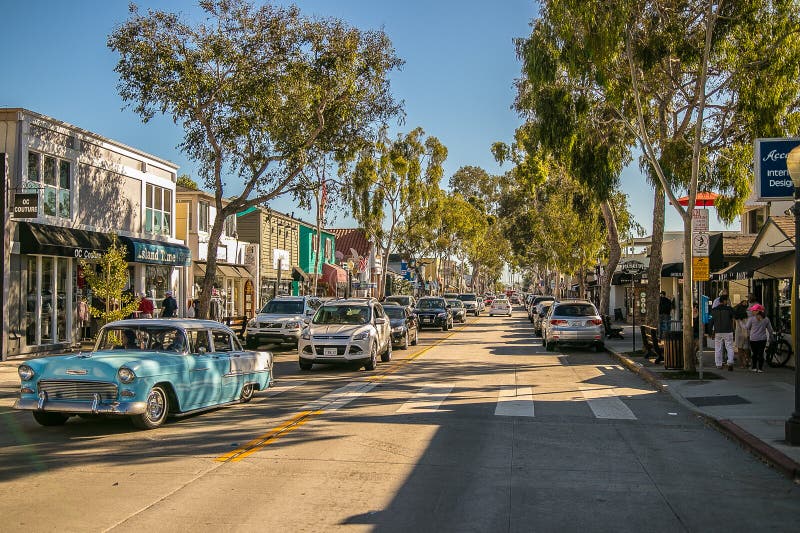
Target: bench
x,y
611,331
652,344
237,324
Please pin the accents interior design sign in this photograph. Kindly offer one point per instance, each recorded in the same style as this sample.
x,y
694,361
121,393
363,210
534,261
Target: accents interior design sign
x,y
772,178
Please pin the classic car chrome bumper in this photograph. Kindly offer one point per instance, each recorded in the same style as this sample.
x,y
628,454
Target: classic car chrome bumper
x,y
93,407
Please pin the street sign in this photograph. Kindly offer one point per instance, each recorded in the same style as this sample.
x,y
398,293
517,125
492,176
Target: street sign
x,y
700,244
699,220
772,177
700,270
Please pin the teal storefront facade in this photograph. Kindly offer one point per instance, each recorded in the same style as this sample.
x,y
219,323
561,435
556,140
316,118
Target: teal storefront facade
x,y
307,257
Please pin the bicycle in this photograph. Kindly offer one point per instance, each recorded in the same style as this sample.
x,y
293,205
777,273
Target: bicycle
x,y
779,351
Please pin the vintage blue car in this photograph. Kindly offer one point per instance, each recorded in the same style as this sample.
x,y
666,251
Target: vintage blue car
x,y
146,369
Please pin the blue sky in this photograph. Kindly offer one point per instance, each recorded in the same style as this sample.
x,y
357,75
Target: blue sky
x,y
457,82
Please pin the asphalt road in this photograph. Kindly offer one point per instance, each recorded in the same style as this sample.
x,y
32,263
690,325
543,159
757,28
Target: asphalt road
x,y
478,429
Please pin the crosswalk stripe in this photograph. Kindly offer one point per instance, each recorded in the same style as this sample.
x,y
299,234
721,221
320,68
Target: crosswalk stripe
x,y
515,401
283,387
340,397
605,404
427,400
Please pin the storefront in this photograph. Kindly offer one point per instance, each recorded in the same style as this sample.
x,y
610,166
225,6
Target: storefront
x,y
229,294
51,285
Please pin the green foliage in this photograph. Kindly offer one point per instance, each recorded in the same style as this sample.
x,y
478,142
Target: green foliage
x,y
107,277
185,181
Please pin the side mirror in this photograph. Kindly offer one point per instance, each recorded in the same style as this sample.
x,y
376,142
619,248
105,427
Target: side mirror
x,y
202,350
380,321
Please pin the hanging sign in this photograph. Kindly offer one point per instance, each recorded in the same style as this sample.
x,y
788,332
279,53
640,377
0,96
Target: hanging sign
x,y
26,205
772,177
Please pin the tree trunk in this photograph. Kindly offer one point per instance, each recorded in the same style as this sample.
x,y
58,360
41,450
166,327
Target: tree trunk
x,y
211,264
614,254
656,258
686,307
318,261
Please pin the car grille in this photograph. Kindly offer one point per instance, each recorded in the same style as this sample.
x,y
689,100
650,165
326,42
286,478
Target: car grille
x,y
271,325
339,349
66,389
331,337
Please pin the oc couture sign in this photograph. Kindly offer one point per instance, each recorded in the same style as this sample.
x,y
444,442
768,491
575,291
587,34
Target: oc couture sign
x,y
26,205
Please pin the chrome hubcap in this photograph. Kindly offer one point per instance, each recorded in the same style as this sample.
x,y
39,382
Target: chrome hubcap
x,y
155,405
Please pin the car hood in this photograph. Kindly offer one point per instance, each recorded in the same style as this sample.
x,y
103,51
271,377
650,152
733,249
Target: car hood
x,y
395,322
429,311
103,365
335,329
264,317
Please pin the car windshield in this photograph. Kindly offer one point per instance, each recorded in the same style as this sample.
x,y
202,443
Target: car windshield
x,y
142,338
467,297
402,300
342,314
395,312
575,310
432,303
283,307
455,303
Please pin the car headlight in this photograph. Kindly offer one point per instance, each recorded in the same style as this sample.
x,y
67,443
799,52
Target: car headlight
x,y
364,335
442,315
126,375
293,325
25,372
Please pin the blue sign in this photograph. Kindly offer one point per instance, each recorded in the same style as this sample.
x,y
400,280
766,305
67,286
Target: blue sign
x,y
772,178
705,309
403,268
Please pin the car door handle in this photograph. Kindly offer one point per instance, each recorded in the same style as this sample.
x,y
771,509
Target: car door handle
x,y
199,369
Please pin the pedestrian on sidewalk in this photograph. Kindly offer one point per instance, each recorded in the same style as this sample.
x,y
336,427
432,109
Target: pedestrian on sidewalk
x,y
741,336
665,307
145,306
760,329
718,299
169,306
723,323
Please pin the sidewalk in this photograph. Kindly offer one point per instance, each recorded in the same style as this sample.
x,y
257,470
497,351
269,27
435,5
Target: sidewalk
x,y
748,407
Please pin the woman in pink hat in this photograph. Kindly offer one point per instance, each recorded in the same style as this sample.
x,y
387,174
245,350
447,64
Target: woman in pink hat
x,y
760,330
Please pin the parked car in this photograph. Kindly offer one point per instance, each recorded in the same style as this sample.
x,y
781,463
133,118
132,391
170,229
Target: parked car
x,y
472,303
281,320
572,322
402,299
534,302
538,315
458,310
514,299
145,369
500,306
346,331
432,311
404,325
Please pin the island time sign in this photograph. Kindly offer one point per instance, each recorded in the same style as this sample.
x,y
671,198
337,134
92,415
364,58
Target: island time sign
x,y
772,178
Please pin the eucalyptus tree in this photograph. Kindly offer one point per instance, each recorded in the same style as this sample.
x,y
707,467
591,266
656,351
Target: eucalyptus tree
x,y
258,90
391,179
692,81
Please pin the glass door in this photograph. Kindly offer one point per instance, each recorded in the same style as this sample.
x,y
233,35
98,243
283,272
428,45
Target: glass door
x,y
47,289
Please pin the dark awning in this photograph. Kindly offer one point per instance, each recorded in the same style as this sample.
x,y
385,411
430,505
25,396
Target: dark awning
x,y
156,252
298,274
63,242
672,270
746,267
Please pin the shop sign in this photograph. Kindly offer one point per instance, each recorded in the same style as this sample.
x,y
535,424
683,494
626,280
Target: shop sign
x,y
772,177
633,267
160,254
700,271
26,205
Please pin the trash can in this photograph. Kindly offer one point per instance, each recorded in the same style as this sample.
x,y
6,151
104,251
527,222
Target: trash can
x,y
673,349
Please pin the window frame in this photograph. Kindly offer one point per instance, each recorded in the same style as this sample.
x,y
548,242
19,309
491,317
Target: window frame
x,y
165,213
55,188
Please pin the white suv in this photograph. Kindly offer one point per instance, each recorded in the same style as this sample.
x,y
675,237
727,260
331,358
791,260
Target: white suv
x,y
346,331
280,320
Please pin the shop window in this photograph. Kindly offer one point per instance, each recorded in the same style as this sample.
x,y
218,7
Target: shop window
x,y
55,178
230,226
158,210
157,282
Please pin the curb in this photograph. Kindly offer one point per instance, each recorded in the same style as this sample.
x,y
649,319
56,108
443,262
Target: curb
x,y
775,458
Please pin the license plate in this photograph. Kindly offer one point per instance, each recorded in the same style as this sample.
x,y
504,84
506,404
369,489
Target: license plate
x,y
575,323
330,351
427,319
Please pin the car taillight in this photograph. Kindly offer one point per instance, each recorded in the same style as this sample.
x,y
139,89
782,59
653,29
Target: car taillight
x,y
596,321
558,322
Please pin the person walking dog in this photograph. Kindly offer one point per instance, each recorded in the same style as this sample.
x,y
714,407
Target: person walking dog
x,y
723,324
760,329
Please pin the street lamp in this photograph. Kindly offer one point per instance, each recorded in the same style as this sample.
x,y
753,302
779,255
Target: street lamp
x,y
793,423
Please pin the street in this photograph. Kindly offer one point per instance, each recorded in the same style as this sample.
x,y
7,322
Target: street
x,y
476,429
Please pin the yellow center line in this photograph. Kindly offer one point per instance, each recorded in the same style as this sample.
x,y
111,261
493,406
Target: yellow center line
x,y
303,417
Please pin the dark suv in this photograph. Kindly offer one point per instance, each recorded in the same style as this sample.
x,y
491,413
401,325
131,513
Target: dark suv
x,y
432,311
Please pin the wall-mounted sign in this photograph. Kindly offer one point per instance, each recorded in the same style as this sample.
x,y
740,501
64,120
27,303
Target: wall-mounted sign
x,y
772,178
281,259
26,205
633,267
